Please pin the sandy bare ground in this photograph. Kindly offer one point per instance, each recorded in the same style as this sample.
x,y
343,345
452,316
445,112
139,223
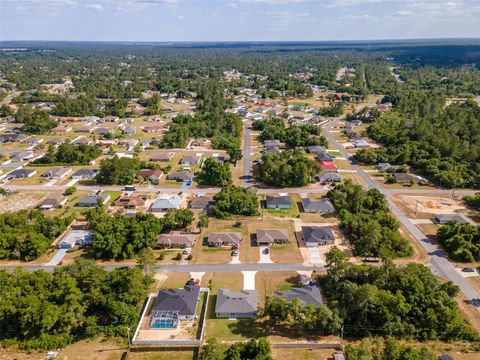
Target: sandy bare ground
x,y
20,201
427,206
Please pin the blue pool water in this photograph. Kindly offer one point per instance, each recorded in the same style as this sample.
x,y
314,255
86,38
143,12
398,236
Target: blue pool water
x,y
164,324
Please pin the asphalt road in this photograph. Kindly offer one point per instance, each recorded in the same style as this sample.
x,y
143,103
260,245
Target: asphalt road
x,y
439,263
197,267
247,170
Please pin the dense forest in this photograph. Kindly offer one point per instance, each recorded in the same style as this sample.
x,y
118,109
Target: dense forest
x,y
462,241
406,301
372,229
27,234
51,310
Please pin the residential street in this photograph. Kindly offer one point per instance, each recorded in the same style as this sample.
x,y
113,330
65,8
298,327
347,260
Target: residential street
x,y
439,264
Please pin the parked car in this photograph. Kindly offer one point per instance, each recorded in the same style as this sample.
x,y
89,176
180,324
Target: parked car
x,y
468,269
235,253
186,251
235,246
266,251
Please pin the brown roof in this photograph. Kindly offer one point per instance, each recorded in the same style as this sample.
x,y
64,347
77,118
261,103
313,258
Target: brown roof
x,y
176,238
270,235
225,237
201,201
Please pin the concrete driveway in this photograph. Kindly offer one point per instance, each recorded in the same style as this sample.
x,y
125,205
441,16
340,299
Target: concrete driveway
x,y
264,257
249,280
57,258
314,253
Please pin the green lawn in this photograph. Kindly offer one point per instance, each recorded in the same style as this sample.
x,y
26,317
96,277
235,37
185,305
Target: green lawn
x,y
290,213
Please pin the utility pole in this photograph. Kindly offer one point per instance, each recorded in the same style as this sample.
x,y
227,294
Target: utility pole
x,y
128,335
341,332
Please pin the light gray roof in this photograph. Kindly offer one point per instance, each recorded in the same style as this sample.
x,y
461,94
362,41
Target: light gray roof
x,y
243,302
270,235
451,217
85,173
171,202
329,176
176,238
316,149
225,237
322,205
180,175
317,233
93,199
308,295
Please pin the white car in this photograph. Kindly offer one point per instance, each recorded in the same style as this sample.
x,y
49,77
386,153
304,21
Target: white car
x,y
187,251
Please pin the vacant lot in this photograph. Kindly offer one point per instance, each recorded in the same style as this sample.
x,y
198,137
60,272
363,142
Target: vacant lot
x,y
428,206
162,355
267,282
219,280
20,201
303,354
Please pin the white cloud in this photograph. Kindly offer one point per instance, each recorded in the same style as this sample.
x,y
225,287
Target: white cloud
x,y
282,18
356,17
96,7
272,2
345,3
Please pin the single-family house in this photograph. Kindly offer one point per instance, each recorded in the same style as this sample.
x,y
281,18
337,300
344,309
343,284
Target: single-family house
x,y
360,143
190,160
153,128
224,238
61,129
403,178
242,304
130,202
21,173
163,157
57,172
322,205
308,295
328,177
340,356
278,202
52,202
83,174
109,119
174,305
202,202
271,236
151,174
22,156
93,200
324,157
383,166
166,202
328,165
176,240
75,237
272,143
185,176
317,235
446,218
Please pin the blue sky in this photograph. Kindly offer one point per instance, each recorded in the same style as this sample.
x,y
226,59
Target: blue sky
x,y
237,20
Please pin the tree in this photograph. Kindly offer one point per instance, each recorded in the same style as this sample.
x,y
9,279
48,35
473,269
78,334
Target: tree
x,y
68,153
288,168
70,190
211,350
203,220
35,121
235,154
215,174
234,200
119,171
146,260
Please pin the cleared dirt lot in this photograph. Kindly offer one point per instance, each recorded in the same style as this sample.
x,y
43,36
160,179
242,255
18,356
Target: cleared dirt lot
x,y
21,200
427,206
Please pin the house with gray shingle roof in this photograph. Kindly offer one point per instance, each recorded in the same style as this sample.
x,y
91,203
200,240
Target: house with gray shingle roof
x,y
242,304
308,295
317,206
181,302
278,202
317,235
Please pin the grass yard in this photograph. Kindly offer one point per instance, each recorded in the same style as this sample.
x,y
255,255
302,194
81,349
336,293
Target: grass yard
x,y
283,213
172,280
267,282
162,355
302,354
218,280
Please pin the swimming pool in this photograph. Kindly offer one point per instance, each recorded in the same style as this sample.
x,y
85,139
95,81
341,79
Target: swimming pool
x,y
163,324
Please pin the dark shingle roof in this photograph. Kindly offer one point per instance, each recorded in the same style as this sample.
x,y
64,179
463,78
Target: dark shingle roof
x,y
279,201
182,300
242,302
322,205
317,233
308,295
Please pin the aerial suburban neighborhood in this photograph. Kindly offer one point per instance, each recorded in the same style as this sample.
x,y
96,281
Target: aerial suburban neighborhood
x,y
248,201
